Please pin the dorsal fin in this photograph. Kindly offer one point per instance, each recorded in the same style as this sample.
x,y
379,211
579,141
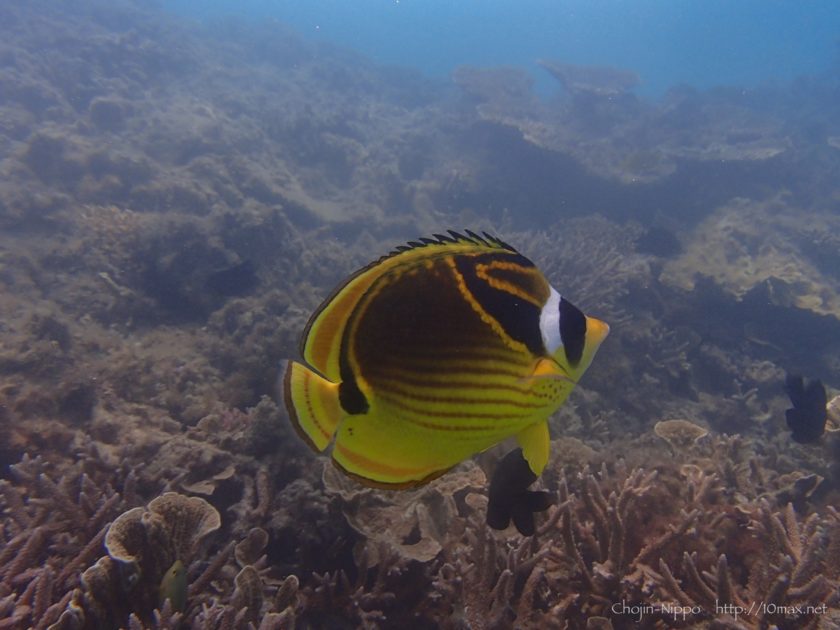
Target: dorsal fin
x,y
321,341
473,238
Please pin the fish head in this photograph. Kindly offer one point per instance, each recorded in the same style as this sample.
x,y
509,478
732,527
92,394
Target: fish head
x,y
575,364
571,337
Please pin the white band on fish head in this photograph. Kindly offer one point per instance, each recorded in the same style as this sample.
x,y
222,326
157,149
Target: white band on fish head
x,y
550,323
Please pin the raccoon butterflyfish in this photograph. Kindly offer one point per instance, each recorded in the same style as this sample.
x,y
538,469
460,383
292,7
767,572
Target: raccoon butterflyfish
x,y
433,353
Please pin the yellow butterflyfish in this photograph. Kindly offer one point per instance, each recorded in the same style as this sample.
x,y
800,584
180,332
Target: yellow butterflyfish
x,y
433,353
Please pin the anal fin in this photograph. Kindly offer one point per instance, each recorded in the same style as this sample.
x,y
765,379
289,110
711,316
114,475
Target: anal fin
x,y
312,403
534,440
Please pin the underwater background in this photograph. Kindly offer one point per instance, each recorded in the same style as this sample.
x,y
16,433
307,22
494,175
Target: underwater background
x,y
183,183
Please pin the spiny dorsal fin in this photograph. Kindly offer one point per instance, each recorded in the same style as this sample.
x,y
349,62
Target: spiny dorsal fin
x,y
452,237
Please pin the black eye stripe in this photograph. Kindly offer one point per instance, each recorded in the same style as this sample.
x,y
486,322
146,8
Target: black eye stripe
x,y
572,331
519,318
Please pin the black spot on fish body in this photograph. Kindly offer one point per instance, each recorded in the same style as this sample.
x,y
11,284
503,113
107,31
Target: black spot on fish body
x,y
509,497
351,398
806,419
572,331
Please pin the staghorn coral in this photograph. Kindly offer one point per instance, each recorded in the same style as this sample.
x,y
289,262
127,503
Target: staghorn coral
x,y
488,583
789,584
606,534
52,529
607,541
643,547
56,524
334,598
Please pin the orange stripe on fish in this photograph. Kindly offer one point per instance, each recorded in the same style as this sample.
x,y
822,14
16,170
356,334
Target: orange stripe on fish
x,y
396,389
490,273
449,413
485,316
350,462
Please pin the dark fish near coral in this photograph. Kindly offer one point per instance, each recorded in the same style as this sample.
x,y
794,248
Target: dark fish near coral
x,y
806,419
510,497
433,353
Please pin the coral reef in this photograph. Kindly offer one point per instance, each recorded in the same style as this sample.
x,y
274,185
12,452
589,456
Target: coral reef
x,y
53,527
176,199
598,81
655,539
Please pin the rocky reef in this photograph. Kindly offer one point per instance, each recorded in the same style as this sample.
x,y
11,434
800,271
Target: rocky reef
x,y
176,199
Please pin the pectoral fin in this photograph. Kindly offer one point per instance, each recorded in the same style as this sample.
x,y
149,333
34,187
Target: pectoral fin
x,y
534,441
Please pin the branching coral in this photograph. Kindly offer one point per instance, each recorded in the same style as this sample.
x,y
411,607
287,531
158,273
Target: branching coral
x,y
636,548
670,536
53,529
487,583
789,584
366,601
606,535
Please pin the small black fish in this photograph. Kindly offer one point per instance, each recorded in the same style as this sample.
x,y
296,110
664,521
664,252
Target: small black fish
x,y
806,419
510,497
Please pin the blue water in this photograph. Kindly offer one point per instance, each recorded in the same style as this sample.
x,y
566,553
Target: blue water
x,y
703,43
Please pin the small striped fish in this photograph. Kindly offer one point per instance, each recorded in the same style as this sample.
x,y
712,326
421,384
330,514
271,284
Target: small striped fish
x,y
433,353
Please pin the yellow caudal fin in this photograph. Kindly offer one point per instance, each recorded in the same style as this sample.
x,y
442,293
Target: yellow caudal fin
x,y
312,404
534,440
